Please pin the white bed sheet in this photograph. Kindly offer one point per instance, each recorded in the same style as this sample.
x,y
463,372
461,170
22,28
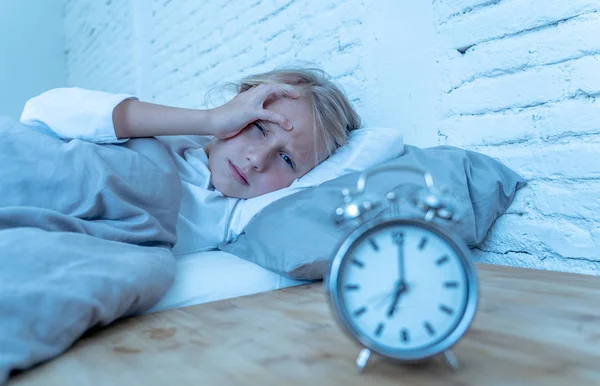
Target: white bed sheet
x,y
208,276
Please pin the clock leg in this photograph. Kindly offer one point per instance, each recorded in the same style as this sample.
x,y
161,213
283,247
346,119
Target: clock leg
x,y
362,359
450,360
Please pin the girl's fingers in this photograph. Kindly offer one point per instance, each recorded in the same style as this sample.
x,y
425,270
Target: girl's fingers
x,y
267,91
262,93
267,115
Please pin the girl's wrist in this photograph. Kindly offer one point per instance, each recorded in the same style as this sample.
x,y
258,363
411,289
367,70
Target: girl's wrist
x,y
205,121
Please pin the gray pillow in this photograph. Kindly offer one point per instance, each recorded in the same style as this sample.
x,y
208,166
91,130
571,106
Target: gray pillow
x,y
296,236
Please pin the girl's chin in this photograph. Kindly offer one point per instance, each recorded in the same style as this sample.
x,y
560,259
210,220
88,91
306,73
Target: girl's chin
x,y
229,191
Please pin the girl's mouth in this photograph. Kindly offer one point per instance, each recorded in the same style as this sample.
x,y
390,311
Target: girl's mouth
x,y
239,177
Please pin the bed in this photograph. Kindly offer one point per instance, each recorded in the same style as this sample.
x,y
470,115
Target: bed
x,y
209,276
97,245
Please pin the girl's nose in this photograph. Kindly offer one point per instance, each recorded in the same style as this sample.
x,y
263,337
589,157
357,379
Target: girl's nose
x,y
258,158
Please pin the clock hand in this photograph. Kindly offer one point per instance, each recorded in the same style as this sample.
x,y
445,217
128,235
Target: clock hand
x,y
399,241
398,238
384,298
400,289
381,297
401,262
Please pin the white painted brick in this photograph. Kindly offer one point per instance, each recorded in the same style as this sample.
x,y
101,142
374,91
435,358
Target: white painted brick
x,y
310,8
542,123
551,237
320,24
572,39
575,158
566,199
509,17
552,262
527,88
259,10
444,9
276,20
530,100
94,32
194,45
522,203
279,44
341,65
166,17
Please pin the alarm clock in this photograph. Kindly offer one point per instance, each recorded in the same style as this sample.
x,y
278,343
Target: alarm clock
x,y
403,288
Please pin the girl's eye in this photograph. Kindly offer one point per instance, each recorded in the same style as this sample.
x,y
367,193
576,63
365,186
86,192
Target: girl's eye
x,y
288,160
260,128
285,157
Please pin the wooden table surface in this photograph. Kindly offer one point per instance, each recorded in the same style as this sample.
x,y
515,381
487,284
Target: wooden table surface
x,y
531,328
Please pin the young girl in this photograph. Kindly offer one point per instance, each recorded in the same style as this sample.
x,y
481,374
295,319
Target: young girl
x,y
278,127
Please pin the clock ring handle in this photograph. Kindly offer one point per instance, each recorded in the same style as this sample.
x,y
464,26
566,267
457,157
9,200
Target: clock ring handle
x,y
362,180
354,208
430,202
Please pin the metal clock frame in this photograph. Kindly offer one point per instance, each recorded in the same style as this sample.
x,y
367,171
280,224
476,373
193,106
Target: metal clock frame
x,y
333,284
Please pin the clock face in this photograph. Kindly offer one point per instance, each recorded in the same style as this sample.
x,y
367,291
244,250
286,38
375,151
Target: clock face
x,y
402,287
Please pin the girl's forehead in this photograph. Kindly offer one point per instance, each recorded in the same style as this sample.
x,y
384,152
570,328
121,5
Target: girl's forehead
x,y
301,139
296,110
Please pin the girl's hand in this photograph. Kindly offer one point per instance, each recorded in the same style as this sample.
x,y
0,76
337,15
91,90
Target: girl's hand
x,y
247,107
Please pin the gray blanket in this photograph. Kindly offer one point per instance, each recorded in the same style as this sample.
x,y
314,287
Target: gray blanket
x,y
86,233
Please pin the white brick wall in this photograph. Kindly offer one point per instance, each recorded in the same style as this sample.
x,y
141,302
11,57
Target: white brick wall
x,y
212,44
174,51
98,38
519,80
515,79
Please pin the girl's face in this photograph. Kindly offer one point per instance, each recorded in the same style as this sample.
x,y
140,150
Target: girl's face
x,y
264,157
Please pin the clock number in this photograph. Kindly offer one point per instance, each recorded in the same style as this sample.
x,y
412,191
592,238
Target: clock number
x,y
379,329
398,238
446,309
351,287
451,284
423,243
429,328
442,260
404,335
360,311
358,263
374,245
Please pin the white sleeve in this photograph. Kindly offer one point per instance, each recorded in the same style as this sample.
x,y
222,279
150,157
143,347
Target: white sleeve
x,y
75,113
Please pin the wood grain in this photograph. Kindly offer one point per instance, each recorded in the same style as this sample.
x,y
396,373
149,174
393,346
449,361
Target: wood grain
x,y
532,328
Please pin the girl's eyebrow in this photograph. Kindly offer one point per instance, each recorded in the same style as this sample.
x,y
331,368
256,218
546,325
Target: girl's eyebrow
x,y
295,156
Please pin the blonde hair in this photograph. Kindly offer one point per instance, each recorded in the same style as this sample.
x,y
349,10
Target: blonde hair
x,y
334,116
